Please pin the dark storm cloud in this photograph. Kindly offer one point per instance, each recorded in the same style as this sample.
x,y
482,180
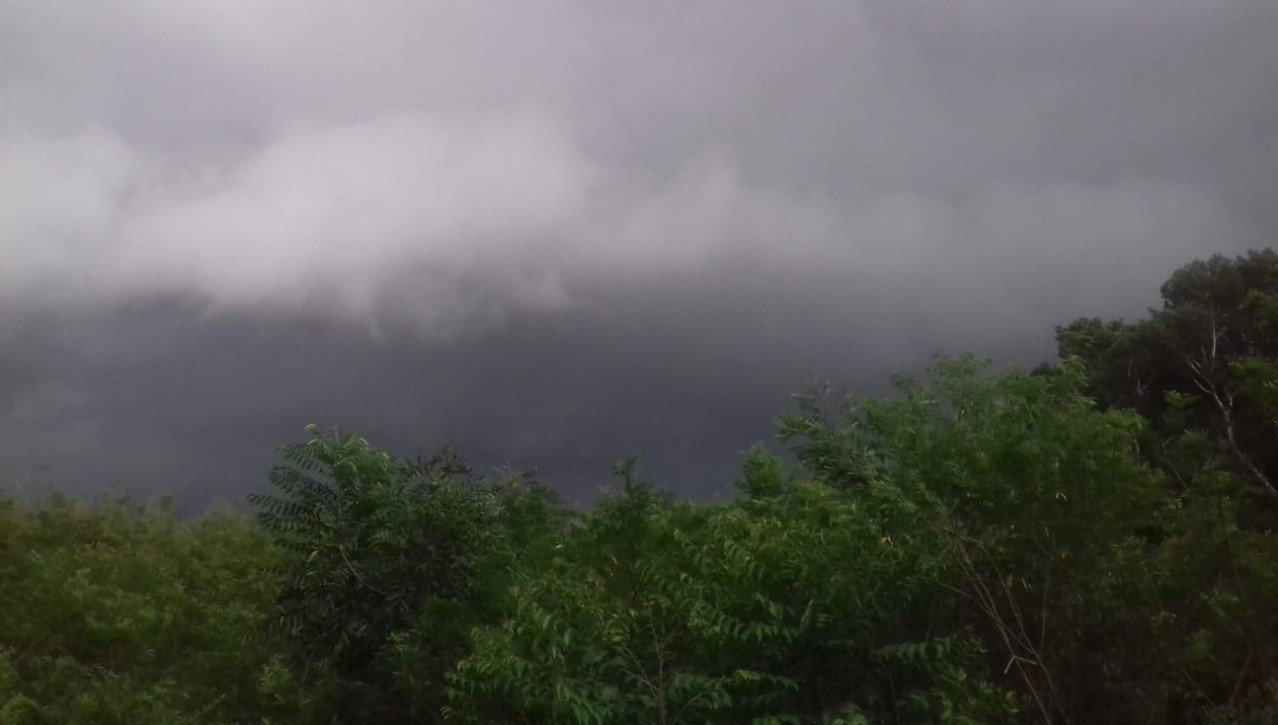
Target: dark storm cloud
x,y
558,231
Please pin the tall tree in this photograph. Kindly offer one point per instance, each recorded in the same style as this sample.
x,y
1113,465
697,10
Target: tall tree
x,y
1206,362
373,541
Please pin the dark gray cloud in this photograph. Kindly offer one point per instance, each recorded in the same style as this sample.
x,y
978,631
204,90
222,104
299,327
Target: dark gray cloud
x,y
558,231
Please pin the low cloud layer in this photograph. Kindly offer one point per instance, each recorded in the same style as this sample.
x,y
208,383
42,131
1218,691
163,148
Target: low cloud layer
x,y
651,221
442,225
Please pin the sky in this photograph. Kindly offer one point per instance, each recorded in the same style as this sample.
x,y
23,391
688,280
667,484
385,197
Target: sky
x,y
557,232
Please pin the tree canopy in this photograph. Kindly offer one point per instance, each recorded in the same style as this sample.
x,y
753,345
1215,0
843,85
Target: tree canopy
x,y
1092,542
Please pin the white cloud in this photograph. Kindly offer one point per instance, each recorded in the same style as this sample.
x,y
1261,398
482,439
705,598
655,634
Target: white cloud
x,y
318,220
58,197
443,163
449,219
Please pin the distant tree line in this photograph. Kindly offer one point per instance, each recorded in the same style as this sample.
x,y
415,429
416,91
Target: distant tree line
x,y
1090,542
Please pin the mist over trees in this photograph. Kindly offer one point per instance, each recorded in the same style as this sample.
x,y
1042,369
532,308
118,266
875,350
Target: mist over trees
x,y
1090,542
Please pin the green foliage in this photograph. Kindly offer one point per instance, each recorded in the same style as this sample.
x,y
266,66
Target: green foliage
x,y
789,605
1023,491
118,614
1203,364
373,541
1201,370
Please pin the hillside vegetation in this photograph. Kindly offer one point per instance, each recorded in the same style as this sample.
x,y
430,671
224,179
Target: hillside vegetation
x,y
1090,542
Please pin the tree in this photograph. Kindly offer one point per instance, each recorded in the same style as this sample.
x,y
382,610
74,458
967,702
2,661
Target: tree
x,y
1090,542
118,613
1204,362
373,540
793,604
1026,494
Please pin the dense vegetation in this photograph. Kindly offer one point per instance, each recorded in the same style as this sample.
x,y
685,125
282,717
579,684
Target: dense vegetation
x,y
1092,542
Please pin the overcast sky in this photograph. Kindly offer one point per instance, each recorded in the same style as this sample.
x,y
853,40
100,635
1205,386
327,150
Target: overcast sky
x,y
559,231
